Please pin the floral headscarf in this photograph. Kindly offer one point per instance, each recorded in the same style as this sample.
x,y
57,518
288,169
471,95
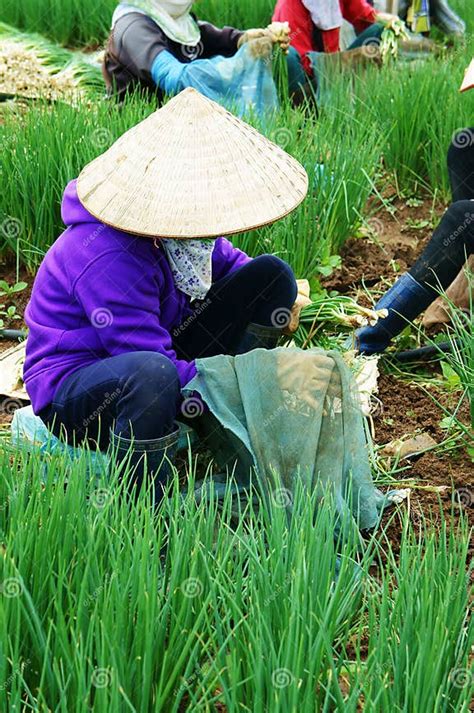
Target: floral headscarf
x,y
191,265
172,16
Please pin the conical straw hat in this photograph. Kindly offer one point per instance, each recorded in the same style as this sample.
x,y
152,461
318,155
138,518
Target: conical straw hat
x,y
191,170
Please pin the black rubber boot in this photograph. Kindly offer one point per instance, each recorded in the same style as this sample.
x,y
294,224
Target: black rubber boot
x,y
404,301
257,336
149,462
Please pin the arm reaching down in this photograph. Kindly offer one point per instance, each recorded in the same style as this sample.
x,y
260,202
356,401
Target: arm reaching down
x,y
172,76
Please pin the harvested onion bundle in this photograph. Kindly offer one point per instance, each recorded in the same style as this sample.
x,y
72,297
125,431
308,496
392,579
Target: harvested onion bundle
x,y
391,36
333,314
33,67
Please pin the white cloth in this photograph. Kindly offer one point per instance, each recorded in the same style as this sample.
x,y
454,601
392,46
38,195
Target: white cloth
x,y
325,14
172,16
191,265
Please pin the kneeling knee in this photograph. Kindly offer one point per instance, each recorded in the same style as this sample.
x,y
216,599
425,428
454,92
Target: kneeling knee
x,y
277,271
461,213
154,372
459,222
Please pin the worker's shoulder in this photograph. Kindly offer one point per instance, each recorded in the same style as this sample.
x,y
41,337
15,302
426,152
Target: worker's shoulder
x,y
135,27
85,243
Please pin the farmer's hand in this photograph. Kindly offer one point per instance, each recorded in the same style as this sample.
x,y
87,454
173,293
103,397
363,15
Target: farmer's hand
x,y
302,300
386,18
261,47
280,34
251,35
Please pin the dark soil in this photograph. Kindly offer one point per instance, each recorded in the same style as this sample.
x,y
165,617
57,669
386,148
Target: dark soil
x,y
393,247
407,408
448,475
19,300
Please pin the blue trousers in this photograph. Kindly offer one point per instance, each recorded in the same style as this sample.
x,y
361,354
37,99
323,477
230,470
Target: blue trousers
x,y
138,394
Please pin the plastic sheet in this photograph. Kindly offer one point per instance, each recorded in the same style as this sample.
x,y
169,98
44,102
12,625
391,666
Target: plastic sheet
x,y
29,432
243,83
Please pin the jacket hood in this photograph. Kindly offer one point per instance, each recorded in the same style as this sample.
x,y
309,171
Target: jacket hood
x,y
72,210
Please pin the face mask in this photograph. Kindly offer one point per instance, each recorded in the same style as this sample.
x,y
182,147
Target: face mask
x,y
172,17
191,265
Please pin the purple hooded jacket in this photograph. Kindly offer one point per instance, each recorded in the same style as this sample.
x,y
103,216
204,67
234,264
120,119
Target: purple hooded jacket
x,y
100,292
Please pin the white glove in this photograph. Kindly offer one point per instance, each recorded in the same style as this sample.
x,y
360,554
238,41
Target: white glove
x,y
280,34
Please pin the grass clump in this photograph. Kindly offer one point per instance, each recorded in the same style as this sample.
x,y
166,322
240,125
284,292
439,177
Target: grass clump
x,y
111,608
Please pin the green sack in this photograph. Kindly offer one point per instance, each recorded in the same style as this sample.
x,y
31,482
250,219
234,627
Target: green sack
x,y
286,416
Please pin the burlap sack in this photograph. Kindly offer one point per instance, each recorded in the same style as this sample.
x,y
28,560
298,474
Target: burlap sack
x,y
458,292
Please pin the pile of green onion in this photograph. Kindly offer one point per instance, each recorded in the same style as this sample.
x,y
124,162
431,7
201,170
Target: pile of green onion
x,y
332,314
391,36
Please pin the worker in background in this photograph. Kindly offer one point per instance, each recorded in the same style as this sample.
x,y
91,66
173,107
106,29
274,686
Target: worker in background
x,y
419,14
315,30
160,46
440,263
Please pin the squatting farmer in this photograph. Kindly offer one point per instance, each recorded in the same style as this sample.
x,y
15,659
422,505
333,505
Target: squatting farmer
x,y
159,46
315,27
142,283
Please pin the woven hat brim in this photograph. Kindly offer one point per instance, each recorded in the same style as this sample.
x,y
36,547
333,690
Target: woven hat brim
x,y
192,170
206,234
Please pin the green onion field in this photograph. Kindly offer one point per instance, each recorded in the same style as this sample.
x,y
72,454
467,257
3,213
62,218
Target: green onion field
x,y
105,607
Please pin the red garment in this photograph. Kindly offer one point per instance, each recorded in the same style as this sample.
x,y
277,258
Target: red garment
x,y
358,12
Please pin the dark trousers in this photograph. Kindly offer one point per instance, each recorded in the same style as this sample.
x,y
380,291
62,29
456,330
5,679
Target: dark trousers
x,y
453,239
138,394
